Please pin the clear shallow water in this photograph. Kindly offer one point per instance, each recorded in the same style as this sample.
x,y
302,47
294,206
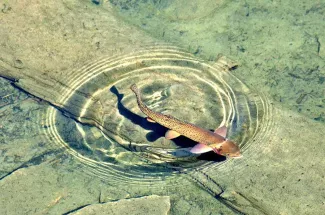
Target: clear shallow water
x,y
125,147
114,153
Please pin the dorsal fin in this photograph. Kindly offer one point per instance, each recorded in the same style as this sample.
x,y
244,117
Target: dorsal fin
x,y
222,131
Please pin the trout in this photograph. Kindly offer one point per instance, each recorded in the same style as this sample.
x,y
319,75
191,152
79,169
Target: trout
x,y
207,140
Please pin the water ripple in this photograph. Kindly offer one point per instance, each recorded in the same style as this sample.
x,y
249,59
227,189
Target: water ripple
x,y
123,146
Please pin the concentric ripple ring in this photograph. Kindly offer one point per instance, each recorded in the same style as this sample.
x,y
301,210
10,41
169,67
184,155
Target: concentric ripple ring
x,y
120,145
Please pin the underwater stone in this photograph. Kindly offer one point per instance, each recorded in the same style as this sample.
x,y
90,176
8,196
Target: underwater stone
x,y
96,2
18,64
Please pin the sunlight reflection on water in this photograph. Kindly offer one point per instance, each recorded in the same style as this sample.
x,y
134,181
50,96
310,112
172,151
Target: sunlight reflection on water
x,y
124,146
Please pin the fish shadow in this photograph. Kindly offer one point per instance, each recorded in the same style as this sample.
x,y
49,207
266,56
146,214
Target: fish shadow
x,y
157,131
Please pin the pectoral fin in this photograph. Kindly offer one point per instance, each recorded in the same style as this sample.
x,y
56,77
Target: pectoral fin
x,y
200,148
170,134
150,120
222,131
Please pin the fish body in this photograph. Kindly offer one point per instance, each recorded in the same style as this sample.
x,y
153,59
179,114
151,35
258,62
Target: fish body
x,y
207,140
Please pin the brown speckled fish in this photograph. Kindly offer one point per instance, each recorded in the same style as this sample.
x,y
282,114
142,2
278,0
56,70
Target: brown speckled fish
x,y
208,140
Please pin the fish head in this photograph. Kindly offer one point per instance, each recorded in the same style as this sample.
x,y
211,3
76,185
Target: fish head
x,y
229,149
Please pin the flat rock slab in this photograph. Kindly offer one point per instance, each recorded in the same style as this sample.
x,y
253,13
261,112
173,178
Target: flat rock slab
x,y
136,206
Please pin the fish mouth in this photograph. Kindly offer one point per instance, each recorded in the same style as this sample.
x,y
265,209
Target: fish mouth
x,y
236,156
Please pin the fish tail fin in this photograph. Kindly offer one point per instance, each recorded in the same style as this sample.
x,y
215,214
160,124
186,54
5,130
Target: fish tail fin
x,y
142,106
136,91
134,88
